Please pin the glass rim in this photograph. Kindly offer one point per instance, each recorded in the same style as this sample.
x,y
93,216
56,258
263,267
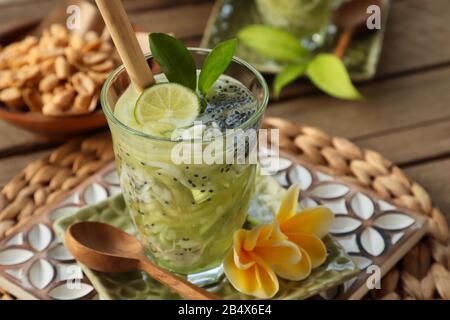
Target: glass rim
x,y
248,123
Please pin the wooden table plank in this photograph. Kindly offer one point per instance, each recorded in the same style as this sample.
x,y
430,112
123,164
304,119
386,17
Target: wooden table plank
x,y
16,140
184,21
417,144
417,36
392,104
435,178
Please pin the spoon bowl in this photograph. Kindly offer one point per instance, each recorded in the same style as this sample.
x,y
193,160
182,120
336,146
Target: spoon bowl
x,y
105,248
350,18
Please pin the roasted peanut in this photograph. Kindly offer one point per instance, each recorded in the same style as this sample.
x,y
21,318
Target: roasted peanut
x,y
63,99
12,97
62,68
51,110
83,84
48,83
29,74
93,58
98,77
76,42
46,97
32,99
81,104
105,66
47,67
6,79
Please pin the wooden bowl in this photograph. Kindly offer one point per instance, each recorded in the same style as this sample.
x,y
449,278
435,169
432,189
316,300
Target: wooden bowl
x,y
55,128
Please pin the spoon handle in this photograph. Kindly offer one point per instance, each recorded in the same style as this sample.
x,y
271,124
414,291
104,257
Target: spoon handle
x,y
183,287
343,42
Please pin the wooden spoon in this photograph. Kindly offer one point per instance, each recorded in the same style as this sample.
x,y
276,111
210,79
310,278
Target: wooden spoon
x,y
105,248
351,19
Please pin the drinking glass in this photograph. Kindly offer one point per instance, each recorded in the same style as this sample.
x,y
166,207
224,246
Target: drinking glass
x,y
185,214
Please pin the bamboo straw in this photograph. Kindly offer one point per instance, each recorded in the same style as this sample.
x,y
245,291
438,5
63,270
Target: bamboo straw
x,y
124,38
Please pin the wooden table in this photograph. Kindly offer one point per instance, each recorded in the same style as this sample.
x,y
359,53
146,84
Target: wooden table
x,y
406,116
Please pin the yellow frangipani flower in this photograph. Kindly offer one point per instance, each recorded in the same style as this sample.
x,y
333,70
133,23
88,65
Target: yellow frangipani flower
x,y
306,229
289,247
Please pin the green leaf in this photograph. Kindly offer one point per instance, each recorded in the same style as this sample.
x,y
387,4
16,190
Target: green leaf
x,y
274,43
288,75
215,64
328,73
174,59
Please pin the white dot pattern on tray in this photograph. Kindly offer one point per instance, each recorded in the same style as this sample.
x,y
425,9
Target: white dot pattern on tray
x,y
68,271
344,224
372,241
40,237
396,237
348,242
38,258
362,206
71,291
16,273
364,226
59,252
361,261
338,206
16,240
41,273
301,176
63,212
94,194
308,203
10,257
394,221
111,178
330,190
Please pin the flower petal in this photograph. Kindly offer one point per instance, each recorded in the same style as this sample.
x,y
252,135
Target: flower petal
x,y
288,203
312,244
279,252
316,221
295,272
259,280
241,257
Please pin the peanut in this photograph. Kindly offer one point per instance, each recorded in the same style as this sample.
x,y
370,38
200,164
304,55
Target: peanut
x,y
76,42
48,83
32,99
105,66
50,109
62,68
47,67
81,104
6,79
63,99
93,58
12,97
83,84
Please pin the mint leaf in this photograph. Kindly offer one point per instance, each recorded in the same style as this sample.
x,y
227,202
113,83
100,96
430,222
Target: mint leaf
x,y
328,73
174,59
288,75
274,43
215,64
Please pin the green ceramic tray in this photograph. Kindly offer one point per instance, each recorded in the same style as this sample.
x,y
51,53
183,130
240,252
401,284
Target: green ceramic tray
x,y
361,57
134,285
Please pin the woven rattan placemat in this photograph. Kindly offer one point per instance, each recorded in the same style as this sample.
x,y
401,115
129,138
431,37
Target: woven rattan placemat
x,y
422,274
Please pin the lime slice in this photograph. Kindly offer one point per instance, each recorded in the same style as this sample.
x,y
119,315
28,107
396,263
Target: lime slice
x,y
165,107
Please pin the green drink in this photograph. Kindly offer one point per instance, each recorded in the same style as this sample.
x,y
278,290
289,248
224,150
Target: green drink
x,y
308,19
185,213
